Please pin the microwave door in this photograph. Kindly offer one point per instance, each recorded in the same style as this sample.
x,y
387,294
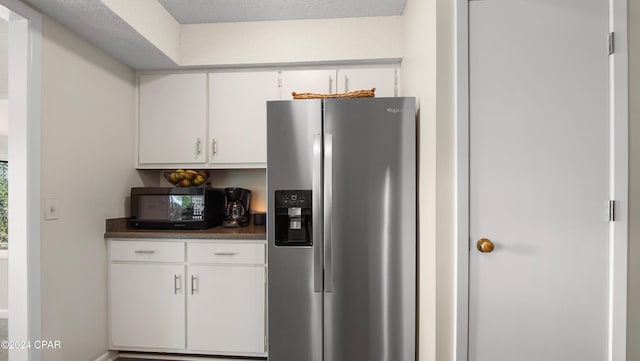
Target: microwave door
x,y
154,208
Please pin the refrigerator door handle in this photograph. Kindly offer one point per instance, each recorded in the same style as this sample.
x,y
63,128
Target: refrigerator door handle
x,y
328,212
316,210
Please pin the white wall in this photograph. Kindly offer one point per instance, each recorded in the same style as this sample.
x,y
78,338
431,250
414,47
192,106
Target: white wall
x,y
419,79
151,20
445,181
304,41
4,284
253,179
4,116
4,128
427,73
87,163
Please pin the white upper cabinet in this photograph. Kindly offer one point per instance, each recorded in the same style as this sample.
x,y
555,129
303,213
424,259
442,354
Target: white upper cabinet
x,y
383,79
329,81
238,117
307,81
219,119
172,122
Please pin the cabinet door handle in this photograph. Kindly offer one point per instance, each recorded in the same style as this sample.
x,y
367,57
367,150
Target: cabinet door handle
x,y
330,84
346,84
195,284
144,251
199,146
177,284
225,254
214,147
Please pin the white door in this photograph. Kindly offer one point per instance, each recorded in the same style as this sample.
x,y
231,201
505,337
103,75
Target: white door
x,y
172,123
385,80
539,171
226,309
238,116
307,81
147,306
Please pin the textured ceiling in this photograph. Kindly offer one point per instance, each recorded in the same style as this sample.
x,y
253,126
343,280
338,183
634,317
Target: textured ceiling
x,y
97,23
101,26
213,11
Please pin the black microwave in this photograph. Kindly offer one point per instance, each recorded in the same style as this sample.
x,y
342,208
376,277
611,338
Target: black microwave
x,y
177,208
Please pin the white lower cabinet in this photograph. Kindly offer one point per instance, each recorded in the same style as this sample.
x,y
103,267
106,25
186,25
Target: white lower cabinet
x,y
148,305
188,296
225,309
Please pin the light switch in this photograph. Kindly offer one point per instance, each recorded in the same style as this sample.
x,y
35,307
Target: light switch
x,y
51,208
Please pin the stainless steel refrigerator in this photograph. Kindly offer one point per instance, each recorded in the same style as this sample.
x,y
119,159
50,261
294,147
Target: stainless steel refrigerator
x,y
341,182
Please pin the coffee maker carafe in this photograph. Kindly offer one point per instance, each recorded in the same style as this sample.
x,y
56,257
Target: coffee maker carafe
x,y
237,209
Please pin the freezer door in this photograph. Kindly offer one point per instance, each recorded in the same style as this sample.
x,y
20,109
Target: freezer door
x,y
370,229
294,131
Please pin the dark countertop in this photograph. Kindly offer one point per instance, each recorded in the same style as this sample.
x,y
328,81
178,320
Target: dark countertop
x,y
120,228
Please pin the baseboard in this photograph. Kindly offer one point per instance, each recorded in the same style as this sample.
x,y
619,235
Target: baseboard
x,y
108,356
172,357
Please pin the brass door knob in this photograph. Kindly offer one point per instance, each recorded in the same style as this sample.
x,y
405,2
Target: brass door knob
x,y
485,246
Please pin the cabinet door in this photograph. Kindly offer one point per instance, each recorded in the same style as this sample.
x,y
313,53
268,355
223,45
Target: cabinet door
x,y
383,79
172,123
307,81
226,309
238,116
147,306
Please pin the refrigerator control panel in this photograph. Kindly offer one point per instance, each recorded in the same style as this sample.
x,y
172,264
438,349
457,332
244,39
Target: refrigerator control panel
x,y
293,218
288,199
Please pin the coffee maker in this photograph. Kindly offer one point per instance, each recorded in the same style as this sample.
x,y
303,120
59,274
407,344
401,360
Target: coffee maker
x,y
237,209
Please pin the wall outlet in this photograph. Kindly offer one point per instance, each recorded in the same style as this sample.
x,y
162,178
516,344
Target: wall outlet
x,y
51,208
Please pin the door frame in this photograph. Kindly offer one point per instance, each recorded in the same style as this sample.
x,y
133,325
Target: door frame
x,y
619,178
25,67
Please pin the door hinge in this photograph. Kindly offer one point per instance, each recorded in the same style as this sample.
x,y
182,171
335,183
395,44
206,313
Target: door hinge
x,y
612,211
611,42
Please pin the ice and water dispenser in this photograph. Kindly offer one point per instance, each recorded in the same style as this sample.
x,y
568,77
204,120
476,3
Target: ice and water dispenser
x,y
293,218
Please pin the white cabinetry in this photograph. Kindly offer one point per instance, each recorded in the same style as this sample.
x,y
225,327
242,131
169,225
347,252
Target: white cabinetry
x,y
307,81
238,117
210,300
172,119
331,81
385,80
149,309
226,303
218,119
146,293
